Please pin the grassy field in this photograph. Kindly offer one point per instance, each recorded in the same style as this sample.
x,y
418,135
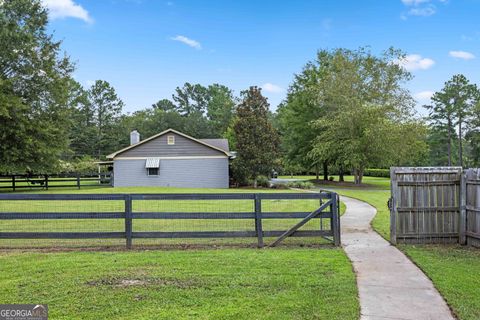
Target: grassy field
x,y
454,270
192,284
290,282
378,199
367,182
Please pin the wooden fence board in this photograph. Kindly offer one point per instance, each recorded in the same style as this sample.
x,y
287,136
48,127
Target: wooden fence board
x,y
425,204
472,208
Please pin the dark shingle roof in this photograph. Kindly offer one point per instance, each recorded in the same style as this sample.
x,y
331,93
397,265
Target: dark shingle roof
x,y
218,143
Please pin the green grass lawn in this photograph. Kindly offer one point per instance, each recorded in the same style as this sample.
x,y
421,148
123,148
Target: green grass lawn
x,y
191,284
378,199
370,182
454,270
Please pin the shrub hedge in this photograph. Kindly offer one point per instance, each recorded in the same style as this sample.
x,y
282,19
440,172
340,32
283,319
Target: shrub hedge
x,y
383,173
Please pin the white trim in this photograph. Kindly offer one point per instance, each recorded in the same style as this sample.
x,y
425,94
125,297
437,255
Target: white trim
x,y
170,140
112,155
172,158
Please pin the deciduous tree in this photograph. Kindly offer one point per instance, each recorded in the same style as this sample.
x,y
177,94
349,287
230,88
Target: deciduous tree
x,y
34,90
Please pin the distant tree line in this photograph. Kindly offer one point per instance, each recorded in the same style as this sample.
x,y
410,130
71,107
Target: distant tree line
x,y
345,111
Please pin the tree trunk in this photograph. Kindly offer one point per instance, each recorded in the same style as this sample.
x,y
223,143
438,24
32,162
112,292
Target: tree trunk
x,y
255,183
341,175
357,175
325,170
449,143
360,175
317,174
460,146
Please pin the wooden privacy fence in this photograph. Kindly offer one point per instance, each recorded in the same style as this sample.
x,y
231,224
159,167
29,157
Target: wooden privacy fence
x,y
132,208
435,205
21,182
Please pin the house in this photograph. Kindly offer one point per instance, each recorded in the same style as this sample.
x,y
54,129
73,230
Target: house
x,y
172,159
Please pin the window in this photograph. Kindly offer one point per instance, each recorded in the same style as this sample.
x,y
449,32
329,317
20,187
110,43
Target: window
x,y
153,166
152,171
170,139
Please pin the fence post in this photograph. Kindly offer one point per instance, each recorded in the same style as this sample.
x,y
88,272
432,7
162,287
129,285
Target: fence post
x,y
463,210
335,219
258,220
393,206
78,180
46,182
13,182
128,220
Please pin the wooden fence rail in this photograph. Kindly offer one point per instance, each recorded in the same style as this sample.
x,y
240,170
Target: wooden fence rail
x,y
435,205
20,182
328,208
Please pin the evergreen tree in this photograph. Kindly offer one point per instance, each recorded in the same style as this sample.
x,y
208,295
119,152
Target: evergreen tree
x,y
256,139
106,107
450,110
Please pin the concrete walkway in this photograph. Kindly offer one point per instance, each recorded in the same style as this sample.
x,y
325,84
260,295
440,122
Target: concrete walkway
x,y
390,286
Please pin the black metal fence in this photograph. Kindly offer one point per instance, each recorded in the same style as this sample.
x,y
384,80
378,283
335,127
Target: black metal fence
x,y
22,182
271,216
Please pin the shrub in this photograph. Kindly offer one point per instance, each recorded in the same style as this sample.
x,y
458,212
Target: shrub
x,y
279,186
331,178
307,185
262,181
382,173
300,184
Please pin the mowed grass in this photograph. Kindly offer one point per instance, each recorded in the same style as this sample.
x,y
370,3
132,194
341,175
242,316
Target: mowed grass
x,y
454,270
378,199
367,182
191,284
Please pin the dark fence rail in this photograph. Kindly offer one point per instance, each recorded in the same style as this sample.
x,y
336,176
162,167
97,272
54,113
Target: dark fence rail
x,y
20,182
134,205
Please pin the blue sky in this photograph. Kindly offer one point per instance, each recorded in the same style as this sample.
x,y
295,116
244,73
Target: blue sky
x,y
146,48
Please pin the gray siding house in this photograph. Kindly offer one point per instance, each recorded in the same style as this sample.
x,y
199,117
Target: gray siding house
x,y
172,159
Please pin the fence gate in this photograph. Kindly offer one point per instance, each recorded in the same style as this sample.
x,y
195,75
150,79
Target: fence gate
x,y
425,205
472,208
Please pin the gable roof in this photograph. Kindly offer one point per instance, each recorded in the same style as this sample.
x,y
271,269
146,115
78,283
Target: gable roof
x,y
211,143
219,143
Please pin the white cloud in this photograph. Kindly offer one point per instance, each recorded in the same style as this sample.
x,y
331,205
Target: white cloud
x,y
423,95
461,55
272,88
414,62
60,9
423,8
189,42
423,11
414,2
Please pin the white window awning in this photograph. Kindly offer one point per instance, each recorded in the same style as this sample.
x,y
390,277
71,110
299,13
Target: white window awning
x,y
152,163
